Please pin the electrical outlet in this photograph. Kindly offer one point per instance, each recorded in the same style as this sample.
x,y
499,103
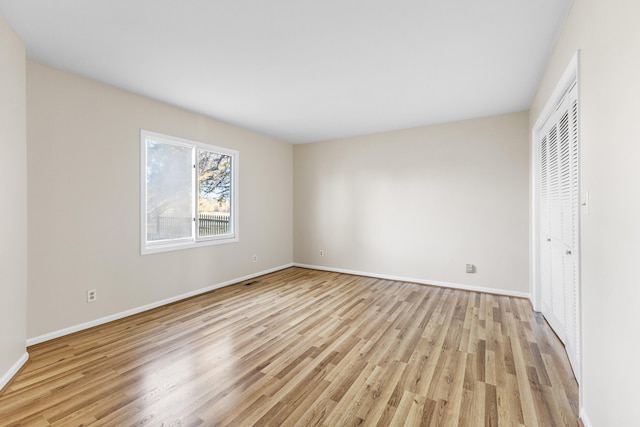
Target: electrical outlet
x,y
92,295
471,268
321,252
255,258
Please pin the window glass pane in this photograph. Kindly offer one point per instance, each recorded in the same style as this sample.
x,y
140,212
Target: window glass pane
x,y
214,194
169,191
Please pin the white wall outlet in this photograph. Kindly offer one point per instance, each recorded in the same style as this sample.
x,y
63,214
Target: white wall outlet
x,y
471,268
92,295
321,252
255,258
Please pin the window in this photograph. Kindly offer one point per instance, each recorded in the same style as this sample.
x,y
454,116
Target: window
x,y
189,194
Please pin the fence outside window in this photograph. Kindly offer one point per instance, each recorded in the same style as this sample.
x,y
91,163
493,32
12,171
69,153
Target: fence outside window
x,y
213,224
171,227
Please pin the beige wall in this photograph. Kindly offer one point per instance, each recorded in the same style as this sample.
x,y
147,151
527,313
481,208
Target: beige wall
x,y
608,35
13,186
419,203
84,202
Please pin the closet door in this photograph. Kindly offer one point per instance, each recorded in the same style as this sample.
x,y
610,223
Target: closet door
x,y
571,233
555,311
559,224
545,221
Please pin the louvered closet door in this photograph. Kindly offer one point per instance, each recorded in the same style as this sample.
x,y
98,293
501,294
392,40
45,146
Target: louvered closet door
x,y
559,203
545,232
570,235
554,294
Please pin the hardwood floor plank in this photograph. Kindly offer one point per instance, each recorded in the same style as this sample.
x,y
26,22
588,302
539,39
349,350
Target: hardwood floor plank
x,y
347,405
305,348
479,405
382,393
528,408
491,406
465,413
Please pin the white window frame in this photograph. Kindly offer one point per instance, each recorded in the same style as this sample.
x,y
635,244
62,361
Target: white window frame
x,y
194,241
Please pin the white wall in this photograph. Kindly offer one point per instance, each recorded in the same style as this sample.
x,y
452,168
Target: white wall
x,y
84,202
13,220
419,203
608,35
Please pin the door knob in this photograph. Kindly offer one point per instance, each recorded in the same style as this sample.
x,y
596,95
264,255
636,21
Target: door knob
x,y
568,252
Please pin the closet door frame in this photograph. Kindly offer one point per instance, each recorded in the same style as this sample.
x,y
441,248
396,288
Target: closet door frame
x,y
568,79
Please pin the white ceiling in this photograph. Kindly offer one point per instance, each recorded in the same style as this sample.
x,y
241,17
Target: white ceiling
x,y
303,70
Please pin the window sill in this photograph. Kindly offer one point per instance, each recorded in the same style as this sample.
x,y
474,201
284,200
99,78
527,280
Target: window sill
x,y
169,247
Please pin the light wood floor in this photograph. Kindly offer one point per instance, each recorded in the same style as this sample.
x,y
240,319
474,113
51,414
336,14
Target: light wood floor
x,y
303,347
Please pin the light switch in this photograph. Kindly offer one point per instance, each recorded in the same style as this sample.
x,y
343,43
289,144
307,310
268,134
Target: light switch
x,y
584,205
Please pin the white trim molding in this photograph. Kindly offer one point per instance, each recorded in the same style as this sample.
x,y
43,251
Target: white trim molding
x,y
77,328
585,418
437,283
4,379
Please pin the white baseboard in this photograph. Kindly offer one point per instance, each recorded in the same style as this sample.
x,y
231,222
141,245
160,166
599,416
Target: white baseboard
x,y
421,281
585,418
66,331
4,380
